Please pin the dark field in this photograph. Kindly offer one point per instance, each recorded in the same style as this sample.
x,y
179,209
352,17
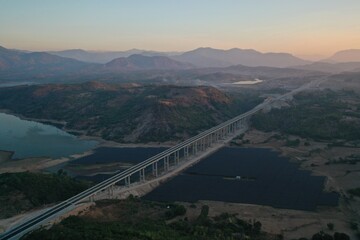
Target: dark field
x,y
243,175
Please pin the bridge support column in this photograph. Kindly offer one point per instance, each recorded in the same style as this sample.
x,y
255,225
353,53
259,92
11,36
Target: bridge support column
x,y
155,169
177,157
127,181
166,164
186,152
217,136
142,175
195,148
111,191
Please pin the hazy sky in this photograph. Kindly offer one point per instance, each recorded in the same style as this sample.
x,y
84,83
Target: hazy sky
x,y
302,27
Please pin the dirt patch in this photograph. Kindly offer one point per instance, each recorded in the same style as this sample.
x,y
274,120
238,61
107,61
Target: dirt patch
x,y
293,224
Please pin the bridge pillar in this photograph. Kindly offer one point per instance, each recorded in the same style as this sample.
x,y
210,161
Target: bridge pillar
x,y
127,181
155,169
166,164
110,190
177,157
142,175
186,152
195,147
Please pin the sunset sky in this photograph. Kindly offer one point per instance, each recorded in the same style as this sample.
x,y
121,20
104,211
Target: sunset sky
x,y
306,27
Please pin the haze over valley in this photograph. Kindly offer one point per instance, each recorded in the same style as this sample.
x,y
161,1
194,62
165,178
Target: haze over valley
x,y
180,120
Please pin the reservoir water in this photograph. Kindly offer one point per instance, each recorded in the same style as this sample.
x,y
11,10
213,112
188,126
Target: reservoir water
x,y
107,155
247,175
32,139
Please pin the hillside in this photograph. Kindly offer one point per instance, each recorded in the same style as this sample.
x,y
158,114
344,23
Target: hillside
x,y
331,67
140,62
127,113
23,191
320,115
18,66
36,62
209,57
105,57
349,55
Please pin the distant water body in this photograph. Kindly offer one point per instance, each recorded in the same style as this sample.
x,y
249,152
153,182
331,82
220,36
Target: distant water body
x,y
32,139
13,84
256,81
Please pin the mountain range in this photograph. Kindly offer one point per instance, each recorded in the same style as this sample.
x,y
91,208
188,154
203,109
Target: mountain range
x,y
209,57
344,60
36,61
105,57
141,62
201,57
15,65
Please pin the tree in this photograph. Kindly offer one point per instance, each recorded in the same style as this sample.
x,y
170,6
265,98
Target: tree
x,y
330,226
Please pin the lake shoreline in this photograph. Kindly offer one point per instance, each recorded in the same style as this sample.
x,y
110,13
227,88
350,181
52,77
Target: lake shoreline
x,y
81,134
42,162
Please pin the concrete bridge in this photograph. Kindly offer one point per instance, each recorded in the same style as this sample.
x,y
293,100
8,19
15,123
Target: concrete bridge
x,y
151,168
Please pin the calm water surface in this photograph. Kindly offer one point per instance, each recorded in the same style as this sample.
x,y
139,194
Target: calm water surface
x,y
247,175
32,139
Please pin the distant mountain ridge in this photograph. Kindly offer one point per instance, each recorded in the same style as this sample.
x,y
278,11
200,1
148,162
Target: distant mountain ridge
x,y
331,67
140,62
209,57
349,55
37,62
105,57
200,57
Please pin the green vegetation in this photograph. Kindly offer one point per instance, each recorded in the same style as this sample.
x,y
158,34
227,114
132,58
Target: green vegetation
x,y
351,159
330,226
292,143
321,115
324,236
23,191
123,113
354,191
174,211
136,219
149,222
